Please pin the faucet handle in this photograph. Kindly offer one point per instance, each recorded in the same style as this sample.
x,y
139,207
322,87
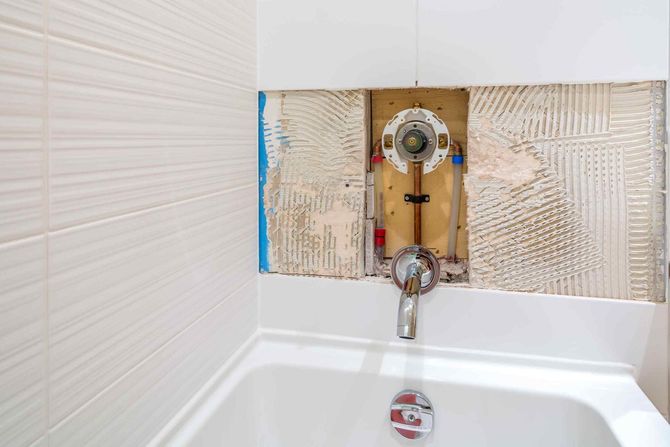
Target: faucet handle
x,y
413,254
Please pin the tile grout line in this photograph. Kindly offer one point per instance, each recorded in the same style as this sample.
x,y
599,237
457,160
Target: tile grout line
x,y
154,353
150,208
146,63
46,165
416,43
102,220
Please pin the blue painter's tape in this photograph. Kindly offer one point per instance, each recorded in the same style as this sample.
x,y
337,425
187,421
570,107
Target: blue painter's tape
x,y
263,244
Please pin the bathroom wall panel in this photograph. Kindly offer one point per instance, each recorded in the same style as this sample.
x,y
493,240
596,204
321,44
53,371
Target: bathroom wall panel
x,y
211,40
26,14
127,211
22,89
23,395
488,42
127,134
121,288
138,405
152,209
22,341
348,44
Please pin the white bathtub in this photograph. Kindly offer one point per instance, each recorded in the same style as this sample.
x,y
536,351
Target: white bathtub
x,y
298,390
289,387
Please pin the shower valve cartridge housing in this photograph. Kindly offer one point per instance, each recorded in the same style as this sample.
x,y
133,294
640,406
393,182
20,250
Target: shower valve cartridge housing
x,y
416,136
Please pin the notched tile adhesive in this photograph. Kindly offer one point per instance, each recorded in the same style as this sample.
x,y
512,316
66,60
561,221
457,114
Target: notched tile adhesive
x,y
316,144
566,189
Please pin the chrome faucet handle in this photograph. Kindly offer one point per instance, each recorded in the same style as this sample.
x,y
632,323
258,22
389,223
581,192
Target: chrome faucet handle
x,y
410,255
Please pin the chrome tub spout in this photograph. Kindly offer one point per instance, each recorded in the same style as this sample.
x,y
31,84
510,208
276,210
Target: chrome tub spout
x,y
415,270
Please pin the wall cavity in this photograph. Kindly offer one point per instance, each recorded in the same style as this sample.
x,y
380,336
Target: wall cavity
x,y
566,189
313,198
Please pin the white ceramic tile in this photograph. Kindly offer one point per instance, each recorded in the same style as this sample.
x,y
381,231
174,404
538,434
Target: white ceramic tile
x,y
318,44
42,442
121,288
517,42
126,135
21,123
653,369
576,328
23,14
22,344
134,409
215,40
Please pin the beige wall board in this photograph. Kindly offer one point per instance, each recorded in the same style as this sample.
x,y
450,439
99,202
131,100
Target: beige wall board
x,y
316,146
601,149
451,105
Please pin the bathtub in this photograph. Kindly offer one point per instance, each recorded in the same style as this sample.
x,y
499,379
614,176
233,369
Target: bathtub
x,y
288,386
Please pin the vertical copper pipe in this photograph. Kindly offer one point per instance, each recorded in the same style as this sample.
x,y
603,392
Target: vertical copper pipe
x,y
418,171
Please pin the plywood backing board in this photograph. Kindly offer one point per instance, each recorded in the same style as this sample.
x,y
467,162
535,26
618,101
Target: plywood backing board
x,y
451,105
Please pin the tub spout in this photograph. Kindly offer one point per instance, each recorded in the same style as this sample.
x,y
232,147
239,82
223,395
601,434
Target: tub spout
x,y
414,269
409,299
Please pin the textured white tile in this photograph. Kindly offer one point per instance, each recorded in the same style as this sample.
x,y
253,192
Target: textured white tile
x,y
21,123
216,40
23,13
126,135
42,442
133,410
22,345
121,288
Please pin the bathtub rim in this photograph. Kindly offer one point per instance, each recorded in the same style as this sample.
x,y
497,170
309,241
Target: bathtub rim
x,y
629,414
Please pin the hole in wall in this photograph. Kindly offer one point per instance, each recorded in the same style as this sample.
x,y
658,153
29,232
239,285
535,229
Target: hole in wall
x,y
451,107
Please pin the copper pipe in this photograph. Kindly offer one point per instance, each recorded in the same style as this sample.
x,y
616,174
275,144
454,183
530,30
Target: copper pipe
x,y
418,172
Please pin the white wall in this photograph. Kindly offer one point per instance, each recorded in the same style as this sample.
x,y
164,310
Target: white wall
x,y
549,326
489,42
128,216
319,44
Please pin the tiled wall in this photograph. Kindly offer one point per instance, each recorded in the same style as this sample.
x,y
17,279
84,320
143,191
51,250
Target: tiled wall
x,y
127,211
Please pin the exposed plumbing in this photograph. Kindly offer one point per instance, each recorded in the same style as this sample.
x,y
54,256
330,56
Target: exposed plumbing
x,y
457,163
418,172
416,137
380,232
